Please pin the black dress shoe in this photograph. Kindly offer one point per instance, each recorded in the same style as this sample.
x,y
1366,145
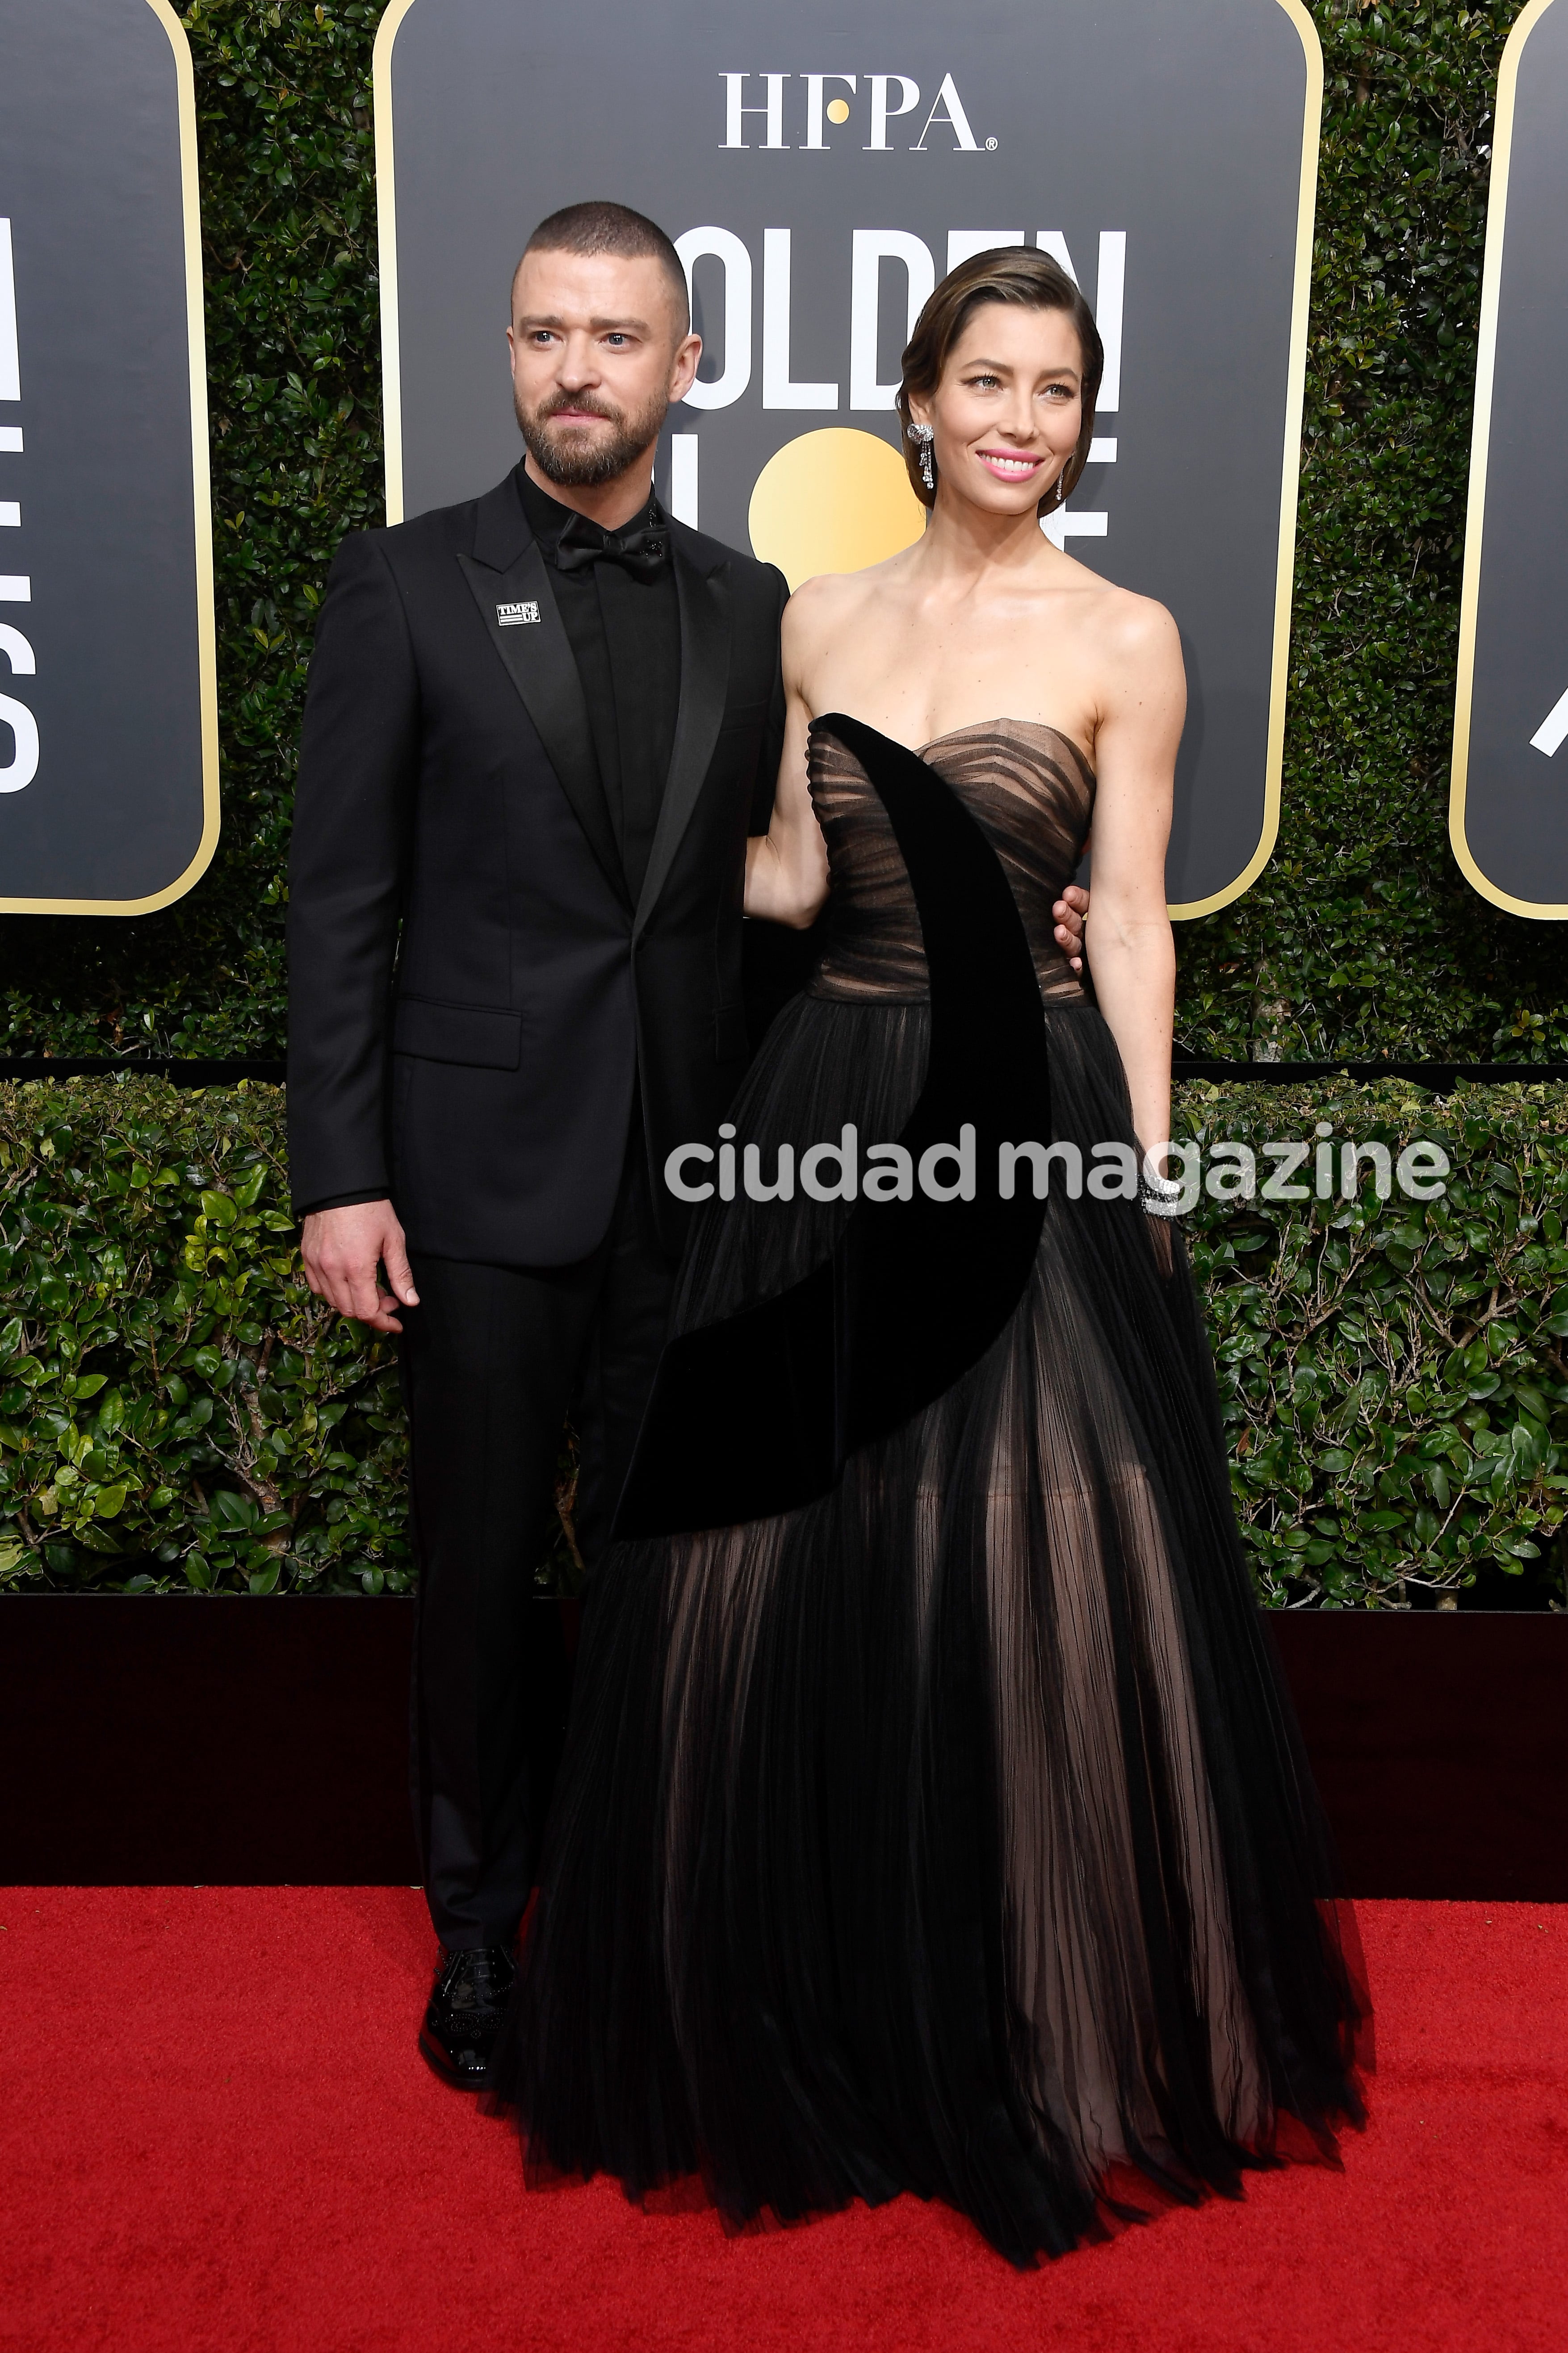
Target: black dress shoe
x,y
467,2003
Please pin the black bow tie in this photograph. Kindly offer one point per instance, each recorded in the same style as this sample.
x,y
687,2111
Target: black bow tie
x,y
642,549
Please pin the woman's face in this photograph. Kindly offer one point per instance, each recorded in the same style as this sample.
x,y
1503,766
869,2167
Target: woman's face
x,y
1008,409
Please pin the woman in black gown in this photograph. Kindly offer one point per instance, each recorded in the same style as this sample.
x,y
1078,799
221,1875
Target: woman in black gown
x,y
933,1817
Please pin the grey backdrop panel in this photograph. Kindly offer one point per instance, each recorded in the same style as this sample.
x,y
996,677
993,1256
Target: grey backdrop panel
x,y
1511,744
1181,127
108,541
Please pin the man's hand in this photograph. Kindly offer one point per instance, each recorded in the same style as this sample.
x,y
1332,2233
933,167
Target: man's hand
x,y
1070,911
343,1249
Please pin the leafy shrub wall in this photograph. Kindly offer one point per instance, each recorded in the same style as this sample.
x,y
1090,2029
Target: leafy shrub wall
x,y
1394,1375
1360,939
177,1412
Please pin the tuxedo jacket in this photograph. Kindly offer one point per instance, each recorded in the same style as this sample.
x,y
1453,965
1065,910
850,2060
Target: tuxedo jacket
x,y
475,1003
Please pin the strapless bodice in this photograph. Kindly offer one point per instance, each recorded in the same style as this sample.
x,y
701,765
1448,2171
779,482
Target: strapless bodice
x,y
1030,790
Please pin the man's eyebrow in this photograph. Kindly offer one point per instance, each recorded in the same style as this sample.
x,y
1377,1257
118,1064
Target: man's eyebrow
x,y
598,326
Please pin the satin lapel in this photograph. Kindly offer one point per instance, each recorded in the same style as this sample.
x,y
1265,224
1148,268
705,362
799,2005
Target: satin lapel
x,y
704,677
539,659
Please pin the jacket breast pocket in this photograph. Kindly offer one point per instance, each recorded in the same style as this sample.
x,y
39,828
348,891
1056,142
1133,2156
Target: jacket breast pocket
x,y
486,1037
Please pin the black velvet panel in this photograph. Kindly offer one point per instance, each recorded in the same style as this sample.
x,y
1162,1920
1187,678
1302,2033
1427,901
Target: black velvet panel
x,y
758,1414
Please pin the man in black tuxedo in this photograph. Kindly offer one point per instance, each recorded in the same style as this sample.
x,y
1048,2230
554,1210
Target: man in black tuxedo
x,y
540,727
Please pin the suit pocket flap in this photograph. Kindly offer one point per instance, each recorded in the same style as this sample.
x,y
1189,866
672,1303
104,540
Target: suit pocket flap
x,y
483,1035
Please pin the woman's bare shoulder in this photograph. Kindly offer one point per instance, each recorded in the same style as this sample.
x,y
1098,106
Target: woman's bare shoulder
x,y
822,606
1130,630
827,594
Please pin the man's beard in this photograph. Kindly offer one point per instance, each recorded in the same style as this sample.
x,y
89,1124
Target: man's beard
x,y
569,458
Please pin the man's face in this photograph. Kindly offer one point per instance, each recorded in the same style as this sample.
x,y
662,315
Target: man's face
x,y
598,354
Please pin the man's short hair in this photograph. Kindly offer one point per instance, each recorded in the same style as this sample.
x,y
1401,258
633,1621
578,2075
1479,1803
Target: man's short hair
x,y
613,228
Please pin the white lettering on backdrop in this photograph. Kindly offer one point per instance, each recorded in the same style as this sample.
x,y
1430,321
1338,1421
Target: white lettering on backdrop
x,y
870,250
15,587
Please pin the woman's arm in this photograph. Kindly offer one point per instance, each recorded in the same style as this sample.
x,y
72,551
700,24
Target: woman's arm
x,y
1127,936
786,868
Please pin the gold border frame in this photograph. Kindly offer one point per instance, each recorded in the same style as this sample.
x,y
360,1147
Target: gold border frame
x,y
206,626
386,250
1542,910
1296,370
1291,472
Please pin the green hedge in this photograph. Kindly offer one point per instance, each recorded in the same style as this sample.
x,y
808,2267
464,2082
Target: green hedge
x,y
1392,1373
177,1412
1360,939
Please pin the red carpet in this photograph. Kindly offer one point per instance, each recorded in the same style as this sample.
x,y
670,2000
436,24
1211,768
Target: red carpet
x,y
217,2135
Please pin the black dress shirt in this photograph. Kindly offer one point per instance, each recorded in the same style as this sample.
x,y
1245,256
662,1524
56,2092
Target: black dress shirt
x,y
625,633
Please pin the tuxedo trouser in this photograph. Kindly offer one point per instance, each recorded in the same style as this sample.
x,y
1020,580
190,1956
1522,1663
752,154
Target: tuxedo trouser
x,y
493,1360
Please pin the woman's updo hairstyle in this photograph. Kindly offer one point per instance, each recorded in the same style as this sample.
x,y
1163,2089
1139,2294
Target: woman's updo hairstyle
x,y
1009,273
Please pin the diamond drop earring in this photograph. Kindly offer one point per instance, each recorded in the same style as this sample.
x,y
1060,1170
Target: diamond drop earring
x,y
925,435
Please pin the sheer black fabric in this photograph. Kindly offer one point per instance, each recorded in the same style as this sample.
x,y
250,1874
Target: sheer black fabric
x,y
1031,791
950,1833
757,1413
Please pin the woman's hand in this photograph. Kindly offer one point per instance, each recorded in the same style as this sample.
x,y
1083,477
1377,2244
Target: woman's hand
x,y
1070,912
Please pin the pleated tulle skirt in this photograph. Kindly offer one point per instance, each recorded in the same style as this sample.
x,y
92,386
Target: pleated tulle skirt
x,y
951,1833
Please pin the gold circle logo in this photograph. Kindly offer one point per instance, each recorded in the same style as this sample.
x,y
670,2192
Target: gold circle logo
x,y
838,109
834,500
